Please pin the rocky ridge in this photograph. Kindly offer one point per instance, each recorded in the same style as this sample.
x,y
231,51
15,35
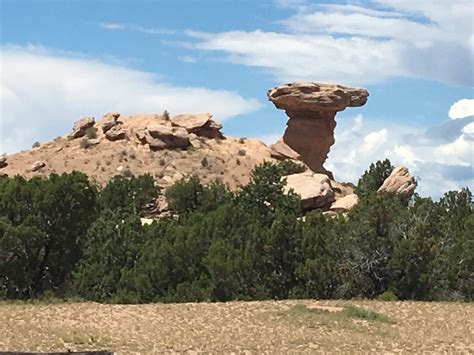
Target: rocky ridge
x,y
192,144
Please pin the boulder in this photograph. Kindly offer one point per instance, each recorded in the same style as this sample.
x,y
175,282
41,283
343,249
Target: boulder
x,y
3,162
80,127
312,108
200,124
116,133
281,151
315,189
109,120
166,137
37,165
345,203
399,181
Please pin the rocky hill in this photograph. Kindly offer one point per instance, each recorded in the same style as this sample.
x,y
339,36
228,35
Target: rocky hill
x,y
172,148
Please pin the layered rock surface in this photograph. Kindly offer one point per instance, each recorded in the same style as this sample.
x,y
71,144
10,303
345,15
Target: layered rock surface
x,y
399,181
312,108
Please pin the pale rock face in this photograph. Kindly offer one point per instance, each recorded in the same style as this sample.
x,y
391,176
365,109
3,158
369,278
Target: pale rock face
x,y
312,108
315,189
345,203
79,128
399,181
37,165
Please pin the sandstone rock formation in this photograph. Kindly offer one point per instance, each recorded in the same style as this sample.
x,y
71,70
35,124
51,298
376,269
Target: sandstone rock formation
x,y
37,165
200,124
115,133
312,108
80,127
109,120
315,189
166,137
399,181
345,203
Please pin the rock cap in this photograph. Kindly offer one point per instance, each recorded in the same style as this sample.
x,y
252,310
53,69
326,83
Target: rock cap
x,y
316,97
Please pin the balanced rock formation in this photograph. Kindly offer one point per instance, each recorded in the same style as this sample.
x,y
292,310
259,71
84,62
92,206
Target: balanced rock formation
x,y
399,181
312,108
315,189
80,127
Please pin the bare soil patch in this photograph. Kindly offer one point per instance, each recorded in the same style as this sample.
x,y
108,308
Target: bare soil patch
x,y
252,327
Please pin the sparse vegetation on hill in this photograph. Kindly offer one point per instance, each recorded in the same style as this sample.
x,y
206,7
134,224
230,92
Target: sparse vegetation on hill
x,y
65,236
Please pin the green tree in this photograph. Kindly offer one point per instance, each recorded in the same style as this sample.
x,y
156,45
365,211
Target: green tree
x,y
128,193
374,177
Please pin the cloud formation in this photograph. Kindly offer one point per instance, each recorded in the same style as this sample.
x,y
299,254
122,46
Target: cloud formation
x,y
114,26
358,44
42,93
439,166
462,108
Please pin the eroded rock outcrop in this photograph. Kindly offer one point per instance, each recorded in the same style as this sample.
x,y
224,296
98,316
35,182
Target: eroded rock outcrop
x,y
201,124
399,181
315,189
312,108
38,165
80,127
110,120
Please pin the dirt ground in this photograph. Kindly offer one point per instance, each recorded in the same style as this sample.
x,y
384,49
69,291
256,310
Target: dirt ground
x,y
301,326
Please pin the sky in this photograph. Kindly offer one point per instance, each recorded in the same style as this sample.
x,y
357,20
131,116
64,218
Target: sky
x,y
60,60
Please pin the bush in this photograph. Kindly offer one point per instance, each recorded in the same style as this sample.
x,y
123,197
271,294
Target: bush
x,y
84,143
36,145
91,132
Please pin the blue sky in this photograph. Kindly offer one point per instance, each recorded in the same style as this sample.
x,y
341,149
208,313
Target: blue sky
x,y
65,59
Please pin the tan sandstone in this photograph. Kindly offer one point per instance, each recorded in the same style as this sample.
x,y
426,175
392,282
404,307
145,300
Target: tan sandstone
x,y
399,181
312,108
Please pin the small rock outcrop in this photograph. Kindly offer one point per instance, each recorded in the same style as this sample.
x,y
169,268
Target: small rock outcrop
x,y
201,124
109,120
80,127
399,181
315,189
115,133
345,204
38,165
3,162
166,137
312,108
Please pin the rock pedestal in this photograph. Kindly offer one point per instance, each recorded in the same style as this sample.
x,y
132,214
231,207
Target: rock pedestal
x,y
312,108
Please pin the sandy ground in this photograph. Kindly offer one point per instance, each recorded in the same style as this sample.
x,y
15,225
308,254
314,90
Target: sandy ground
x,y
240,327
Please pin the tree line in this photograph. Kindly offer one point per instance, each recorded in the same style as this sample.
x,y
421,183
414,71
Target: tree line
x,y
65,236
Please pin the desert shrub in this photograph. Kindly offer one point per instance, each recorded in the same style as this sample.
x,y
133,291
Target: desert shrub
x,y
84,143
36,145
91,132
242,152
166,115
204,162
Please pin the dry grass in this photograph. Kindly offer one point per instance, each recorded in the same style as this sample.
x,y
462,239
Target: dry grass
x,y
254,327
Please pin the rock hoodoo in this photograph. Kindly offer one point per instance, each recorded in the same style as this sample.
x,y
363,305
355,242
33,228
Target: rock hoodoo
x,y
312,108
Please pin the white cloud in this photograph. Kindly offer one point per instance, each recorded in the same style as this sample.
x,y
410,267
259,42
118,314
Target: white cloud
x,y
136,28
438,168
462,108
43,93
358,44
